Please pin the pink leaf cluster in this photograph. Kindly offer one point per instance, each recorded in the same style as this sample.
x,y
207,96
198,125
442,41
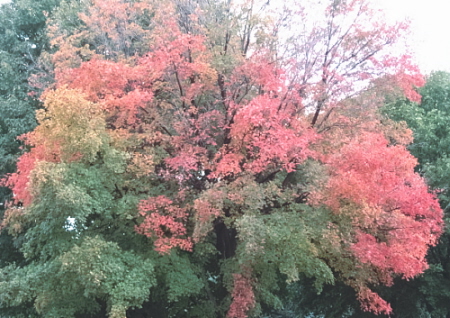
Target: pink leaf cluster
x,y
20,181
120,88
395,217
243,297
207,208
371,301
165,223
271,136
407,76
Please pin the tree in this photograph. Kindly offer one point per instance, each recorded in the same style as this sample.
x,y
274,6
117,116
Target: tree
x,y
22,39
425,295
428,121
201,147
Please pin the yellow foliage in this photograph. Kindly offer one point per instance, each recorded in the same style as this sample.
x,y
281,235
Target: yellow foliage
x,y
72,123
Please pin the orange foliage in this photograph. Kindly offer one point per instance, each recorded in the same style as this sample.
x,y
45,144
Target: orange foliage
x,y
165,223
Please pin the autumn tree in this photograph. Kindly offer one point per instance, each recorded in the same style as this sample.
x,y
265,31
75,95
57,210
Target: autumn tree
x,y
428,120
190,173
426,294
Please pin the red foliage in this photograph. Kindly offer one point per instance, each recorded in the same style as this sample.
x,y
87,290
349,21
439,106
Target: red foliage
x,y
164,222
265,132
407,76
121,90
243,297
20,181
269,133
371,301
369,171
394,216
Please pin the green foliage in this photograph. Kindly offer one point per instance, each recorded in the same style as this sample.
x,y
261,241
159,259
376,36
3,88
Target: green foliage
x,y
429,123
91,270
179,276
100,269
22,39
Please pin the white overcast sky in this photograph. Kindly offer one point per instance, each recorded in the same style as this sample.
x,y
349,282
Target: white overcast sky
x,y
430,24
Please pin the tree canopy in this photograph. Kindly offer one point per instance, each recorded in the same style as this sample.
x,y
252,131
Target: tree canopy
x,y
427,294
192,158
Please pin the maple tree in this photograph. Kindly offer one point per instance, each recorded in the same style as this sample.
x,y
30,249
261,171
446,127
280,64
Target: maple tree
x,y
425,295
427,120
242,166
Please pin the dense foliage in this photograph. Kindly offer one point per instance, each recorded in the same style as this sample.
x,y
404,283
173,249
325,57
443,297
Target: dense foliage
x,y
426,295
428,120
22,39
182,169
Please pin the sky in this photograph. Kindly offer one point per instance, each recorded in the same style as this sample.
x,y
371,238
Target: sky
x,y
430,26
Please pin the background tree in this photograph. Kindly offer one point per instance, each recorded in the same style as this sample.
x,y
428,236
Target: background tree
x,y
22,39
200,147
426,295
428,121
